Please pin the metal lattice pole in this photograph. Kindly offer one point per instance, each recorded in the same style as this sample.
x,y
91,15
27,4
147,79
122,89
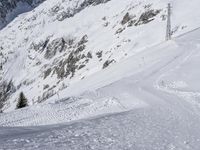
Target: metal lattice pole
x,y
168,33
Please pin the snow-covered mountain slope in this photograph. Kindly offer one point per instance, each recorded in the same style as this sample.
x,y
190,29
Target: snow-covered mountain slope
x,y
115,89
9,9
163,77
61,42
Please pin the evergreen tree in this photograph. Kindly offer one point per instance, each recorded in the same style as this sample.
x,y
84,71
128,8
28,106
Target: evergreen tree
x,y
22,101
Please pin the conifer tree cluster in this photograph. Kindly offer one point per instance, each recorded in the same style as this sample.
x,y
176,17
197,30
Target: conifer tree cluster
x,y
22,101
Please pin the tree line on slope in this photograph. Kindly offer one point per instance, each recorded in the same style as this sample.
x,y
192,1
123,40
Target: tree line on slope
x,y
6,89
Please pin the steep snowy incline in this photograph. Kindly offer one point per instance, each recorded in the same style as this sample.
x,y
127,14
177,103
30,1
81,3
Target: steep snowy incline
x,y
169,121
115,89
11,9
61,42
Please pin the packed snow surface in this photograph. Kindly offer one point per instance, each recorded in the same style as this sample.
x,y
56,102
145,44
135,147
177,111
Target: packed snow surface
x,y
102,77
159,89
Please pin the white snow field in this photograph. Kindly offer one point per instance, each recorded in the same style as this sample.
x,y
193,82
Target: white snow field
x,y
99,75
27,41
156,94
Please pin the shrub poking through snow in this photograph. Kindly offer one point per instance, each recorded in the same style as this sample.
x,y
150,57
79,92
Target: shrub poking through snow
x,y
22,101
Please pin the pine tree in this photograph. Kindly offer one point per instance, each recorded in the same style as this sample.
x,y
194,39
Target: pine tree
x,y
22,101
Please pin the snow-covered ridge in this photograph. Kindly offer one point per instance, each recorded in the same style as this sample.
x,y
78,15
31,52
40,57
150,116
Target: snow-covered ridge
x,y
11,9
61,42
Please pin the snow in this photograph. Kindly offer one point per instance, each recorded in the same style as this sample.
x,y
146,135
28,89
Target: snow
x,y
149,99
67,110
182,81
41,23
164,121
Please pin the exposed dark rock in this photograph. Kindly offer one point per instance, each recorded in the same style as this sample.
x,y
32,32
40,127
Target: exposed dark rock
x,y
89,55
71,12
79,49
40,47
55,9
86,61
60,69
106,24
131,23
83,56
38,63
99,54
81,66
147,6
57,45
104,18
147,16
69,66
69,41
63,15
164,17
107,63
83,40
47,73
46,95
126,19
92,2
45,87
120,30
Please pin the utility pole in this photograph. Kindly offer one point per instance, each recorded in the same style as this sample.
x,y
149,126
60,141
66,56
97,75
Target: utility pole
x,y
168,33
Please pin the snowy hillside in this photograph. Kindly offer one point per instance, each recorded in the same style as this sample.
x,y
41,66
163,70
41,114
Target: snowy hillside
x,y
9,9
98,74
158,86
59,43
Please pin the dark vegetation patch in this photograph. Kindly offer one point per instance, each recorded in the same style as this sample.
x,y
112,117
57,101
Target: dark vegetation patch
x,y
6,89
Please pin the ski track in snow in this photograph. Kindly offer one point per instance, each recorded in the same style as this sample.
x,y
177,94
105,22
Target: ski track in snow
x,y
63,111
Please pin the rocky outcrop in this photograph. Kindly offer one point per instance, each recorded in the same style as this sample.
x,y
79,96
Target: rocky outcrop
x,y
73,57
76,60
126,19
57,45
147,16
63,14
107,63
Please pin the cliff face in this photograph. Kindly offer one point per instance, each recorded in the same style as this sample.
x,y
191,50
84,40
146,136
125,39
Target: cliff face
x,y
9,9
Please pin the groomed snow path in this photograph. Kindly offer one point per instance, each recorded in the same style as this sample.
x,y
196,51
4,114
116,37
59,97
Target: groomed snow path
x,y
170,120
